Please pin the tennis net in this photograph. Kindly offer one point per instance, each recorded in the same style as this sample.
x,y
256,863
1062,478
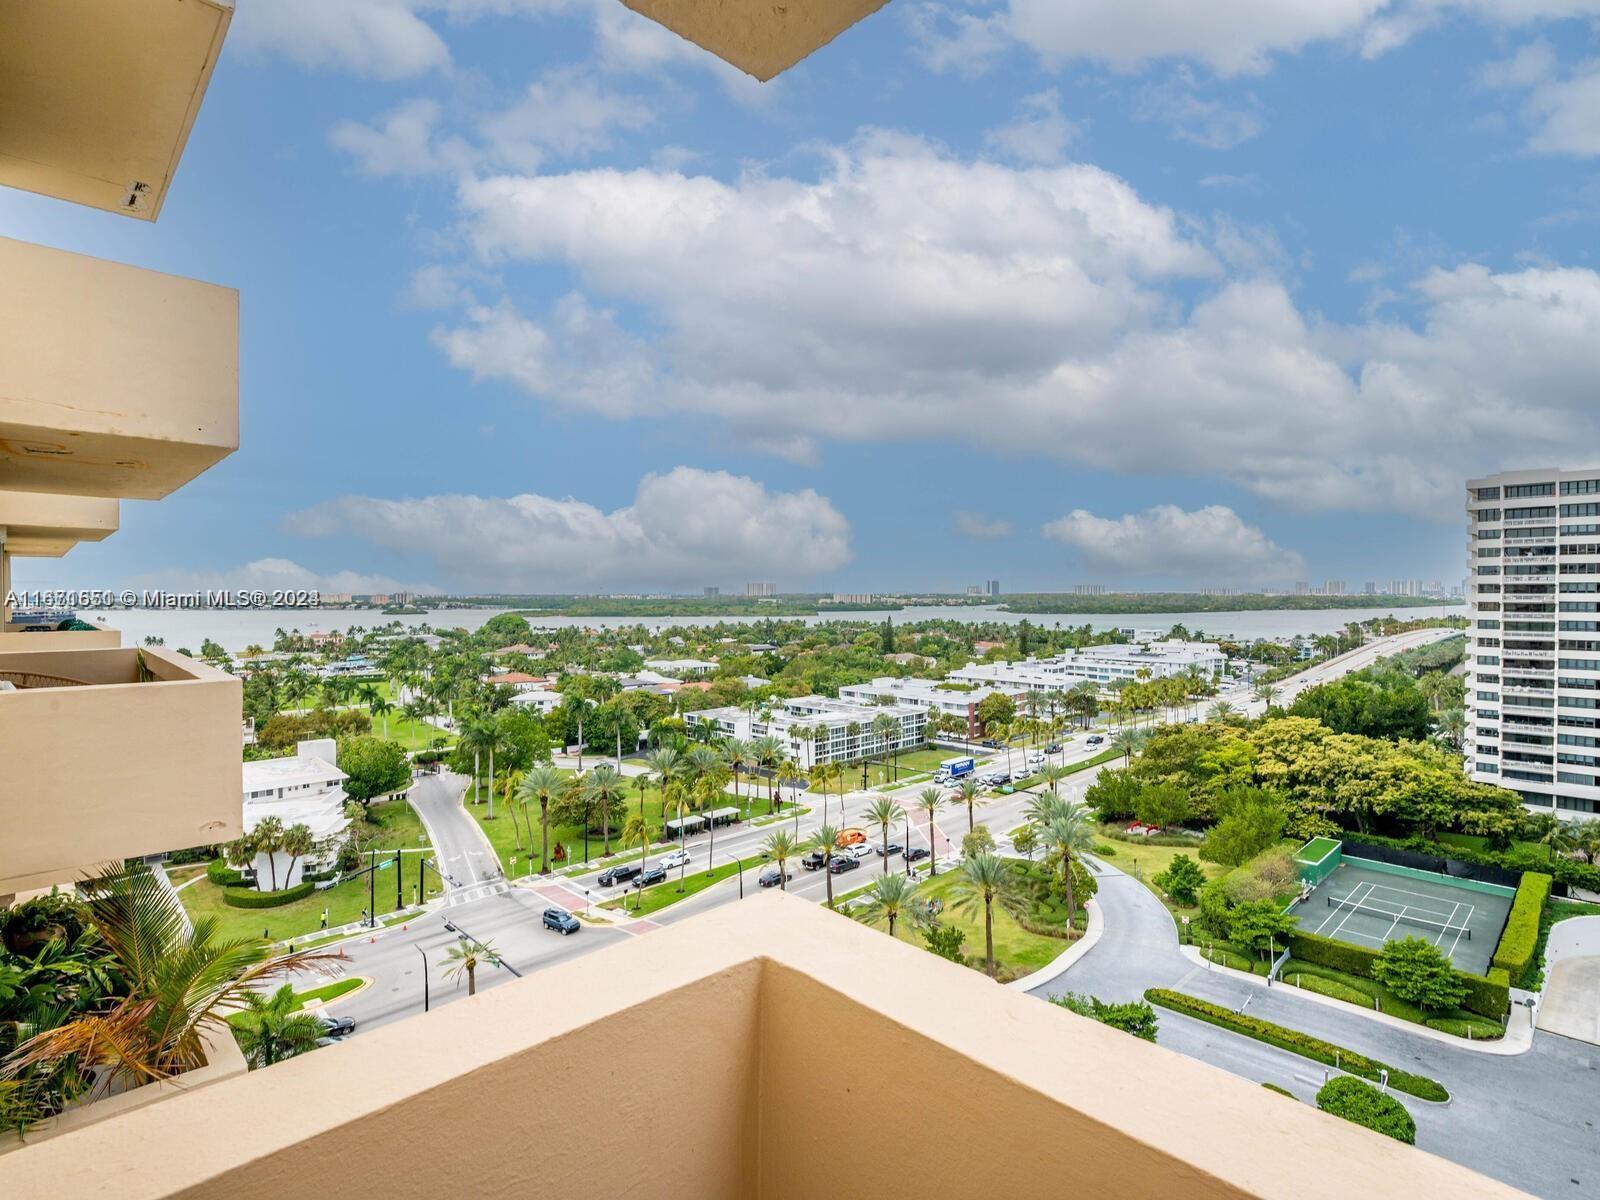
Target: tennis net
x,y
1405,916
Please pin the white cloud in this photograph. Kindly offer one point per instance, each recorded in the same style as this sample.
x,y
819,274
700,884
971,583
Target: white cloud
x,y
384,39
902,293
977,525
1210,544
1531,64
1194,118
683,528
1567,113
1040,134
402,142
276,574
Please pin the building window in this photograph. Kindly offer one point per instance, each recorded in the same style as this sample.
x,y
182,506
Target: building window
x,y
1590,509
1487,514
1519,491
1580,487
1530,514
1487,493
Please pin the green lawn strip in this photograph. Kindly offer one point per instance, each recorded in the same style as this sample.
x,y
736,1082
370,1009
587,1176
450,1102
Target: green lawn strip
x,y
327,992
1341,985
661,895
399,827
1144,861
1299,1043
1228,955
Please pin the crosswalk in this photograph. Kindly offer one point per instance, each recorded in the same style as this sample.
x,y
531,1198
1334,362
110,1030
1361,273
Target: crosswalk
x,y
480,891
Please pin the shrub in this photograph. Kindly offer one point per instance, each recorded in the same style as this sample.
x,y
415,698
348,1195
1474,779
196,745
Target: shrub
x,y
1270,874
221,874
1252,819
1182,879
1366,1105
1296,1042
1215,907
1417,971
1521,936
1137,1018
1488,997
1337,989
243,898
1473,1029
1272,1087
1113,795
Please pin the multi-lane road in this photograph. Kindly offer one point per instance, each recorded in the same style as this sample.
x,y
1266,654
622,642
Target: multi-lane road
x,y
485,906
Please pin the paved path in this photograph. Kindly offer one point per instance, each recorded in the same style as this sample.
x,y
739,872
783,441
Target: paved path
x,y
1528,1119
1571,1002
463,855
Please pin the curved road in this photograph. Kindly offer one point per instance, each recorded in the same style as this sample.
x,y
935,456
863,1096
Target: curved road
x,y
1527,1119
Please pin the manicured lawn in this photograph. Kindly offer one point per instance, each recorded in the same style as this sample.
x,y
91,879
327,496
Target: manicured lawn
x,y
1369,993
344,902
661,895
1016,951
1144,861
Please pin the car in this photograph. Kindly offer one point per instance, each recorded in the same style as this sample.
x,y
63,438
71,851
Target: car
x,y
848,838
891,848
915,854
656,874
859,851
812,861
842,863
335,1027
674,858
772,876
1095,739
1053,748
612,876
991,743
560,920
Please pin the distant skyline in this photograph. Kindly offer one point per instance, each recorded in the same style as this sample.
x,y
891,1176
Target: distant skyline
x,y
538,298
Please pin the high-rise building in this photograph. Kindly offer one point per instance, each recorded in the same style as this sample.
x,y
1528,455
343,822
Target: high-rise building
x,y
1334,587
994,587
1533,647
1088,589
1302,588
1370,587
713,591
760,589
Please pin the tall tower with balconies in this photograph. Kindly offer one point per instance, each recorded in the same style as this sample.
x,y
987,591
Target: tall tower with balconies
x,y
1533,649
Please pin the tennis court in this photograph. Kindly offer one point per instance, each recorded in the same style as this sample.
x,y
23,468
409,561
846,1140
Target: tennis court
x,y
1370,903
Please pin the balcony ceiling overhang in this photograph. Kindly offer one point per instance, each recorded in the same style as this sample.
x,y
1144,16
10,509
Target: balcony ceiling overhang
x,y
757,36
40,525
97,96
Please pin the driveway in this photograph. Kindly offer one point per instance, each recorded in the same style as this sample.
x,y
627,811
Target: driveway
x,y
1571,1003
462,854
1528,1120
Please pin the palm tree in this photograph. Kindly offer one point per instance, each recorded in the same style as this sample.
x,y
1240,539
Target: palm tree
x,y
475,738
273,1028
1452,724
768,752
1219,712
296,842
738,754
890,894
267,838
887,728
971,796
1126,741
509,783
985,880
824,840
179,982
1066,832
496,740
603,786
379,707
1053,774
636,833
883,812
1264,692
930,800
542,783
464,957
817,780
780,847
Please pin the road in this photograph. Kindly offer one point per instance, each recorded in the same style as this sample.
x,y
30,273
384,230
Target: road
x,y
1527,1119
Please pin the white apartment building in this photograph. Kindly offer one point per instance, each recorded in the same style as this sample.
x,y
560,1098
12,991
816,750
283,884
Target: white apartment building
x,y
926,694
1103,665
305,789
843,731
1533,648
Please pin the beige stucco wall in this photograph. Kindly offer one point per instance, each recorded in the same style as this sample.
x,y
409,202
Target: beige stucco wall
x,y
757,36
117,769
768,1048
114,380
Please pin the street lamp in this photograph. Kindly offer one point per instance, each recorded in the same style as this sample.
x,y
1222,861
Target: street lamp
x,y
424,954
905,851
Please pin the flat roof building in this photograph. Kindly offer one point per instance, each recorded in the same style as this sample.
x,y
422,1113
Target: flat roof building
x,y
1102,665
305,789
961,702
819,729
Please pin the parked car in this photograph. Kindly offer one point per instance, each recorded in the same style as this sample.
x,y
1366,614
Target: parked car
x,y
843,863
336,1026
772,876
1053,748
675,858
560,920
812,861
612,876
848,838
656,874
859,851
891,848
991,743
1094,739
915,854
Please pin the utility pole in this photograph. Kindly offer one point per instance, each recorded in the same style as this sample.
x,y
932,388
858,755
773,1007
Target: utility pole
x,y
425,1002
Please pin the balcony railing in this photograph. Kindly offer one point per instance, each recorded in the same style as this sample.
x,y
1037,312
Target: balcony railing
x,y
112,753
16,640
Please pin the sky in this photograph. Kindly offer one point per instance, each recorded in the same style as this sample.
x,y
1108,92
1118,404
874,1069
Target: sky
x,y
537,297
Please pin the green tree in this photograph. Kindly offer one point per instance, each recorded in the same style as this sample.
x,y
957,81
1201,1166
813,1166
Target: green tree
x,y
464,957
930,800
780,847
267,838
825,841
887,898
1182,879
1113,795
977,841
1252,819
272,1028
996,709
541,785
1360,1102
985,882
1025,841
888,636
374,767
1137,1018
1164,805
883,812
606,791
296,842
1419,973
1259,924
943,940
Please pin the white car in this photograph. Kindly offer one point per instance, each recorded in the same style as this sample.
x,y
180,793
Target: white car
x,y
858,851
674,859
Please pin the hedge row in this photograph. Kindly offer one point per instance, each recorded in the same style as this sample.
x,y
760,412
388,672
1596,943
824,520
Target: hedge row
x,y
1366,1105
1488,996
1521,936
221,874
1299,1043
248,898
1571,871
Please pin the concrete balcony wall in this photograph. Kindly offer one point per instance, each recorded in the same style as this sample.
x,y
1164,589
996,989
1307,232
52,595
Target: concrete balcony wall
x,y
117,768
114,381
99,638
758,37
698,1061
97,96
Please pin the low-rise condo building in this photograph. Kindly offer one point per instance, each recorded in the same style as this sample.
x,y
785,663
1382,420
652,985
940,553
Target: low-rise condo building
x,y
304,789
960,701
1102,665
818,729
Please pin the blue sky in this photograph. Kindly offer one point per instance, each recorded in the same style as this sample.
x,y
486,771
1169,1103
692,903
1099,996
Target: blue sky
x,y
537,297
